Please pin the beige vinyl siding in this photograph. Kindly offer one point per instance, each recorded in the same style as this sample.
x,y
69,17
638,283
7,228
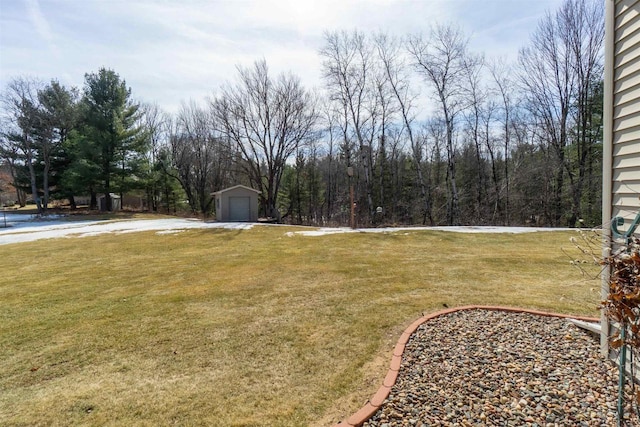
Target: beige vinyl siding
x,y
628,186
624,147
629,136
628,83
622,177
625,11
626,109
629,161
621,128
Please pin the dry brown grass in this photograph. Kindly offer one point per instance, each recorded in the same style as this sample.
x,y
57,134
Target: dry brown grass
x,y
219,327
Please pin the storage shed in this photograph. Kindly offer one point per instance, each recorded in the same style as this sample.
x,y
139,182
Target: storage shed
x,y
237,203
621,131
116,204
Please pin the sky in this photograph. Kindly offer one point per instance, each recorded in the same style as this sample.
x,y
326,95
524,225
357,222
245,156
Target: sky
x,y
173,51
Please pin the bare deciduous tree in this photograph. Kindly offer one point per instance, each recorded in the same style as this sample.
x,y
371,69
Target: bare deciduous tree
x,y
334,162
348,70
10,154
395,68
476,98
21,104
505,87
156,125
198,154
440,60
266,120
559,69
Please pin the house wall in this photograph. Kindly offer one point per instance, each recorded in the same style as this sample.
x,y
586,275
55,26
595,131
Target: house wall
x,y
222,201
625,107
621,132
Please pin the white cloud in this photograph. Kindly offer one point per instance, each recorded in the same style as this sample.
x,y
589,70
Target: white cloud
x,y
41,25
169,51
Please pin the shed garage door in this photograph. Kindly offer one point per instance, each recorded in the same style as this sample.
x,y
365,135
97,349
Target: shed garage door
x,y
239,209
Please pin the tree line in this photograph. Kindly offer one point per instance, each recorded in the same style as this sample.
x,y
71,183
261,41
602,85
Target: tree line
x,y
417,129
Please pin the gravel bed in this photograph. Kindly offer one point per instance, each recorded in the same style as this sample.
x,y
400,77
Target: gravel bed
x,y
479,367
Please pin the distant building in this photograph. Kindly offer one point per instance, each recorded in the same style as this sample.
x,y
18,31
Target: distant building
x,y
116,202
237,203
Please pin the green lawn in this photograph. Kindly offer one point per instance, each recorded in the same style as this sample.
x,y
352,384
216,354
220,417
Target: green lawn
x,y
222,327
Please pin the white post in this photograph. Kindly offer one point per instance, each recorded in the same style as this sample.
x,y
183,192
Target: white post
x,y
607,164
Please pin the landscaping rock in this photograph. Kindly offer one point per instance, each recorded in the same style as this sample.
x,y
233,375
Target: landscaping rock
x,y
481,367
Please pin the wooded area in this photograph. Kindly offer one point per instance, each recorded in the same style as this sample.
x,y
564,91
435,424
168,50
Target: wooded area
x,y
432,132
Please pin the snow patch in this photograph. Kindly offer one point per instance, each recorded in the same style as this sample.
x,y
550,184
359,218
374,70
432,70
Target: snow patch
x,y
455,229
163,232
30,229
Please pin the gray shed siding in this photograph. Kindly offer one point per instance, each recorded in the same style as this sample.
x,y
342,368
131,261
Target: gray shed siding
x,y
227,204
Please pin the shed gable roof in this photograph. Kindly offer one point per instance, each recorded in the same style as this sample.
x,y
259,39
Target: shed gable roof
x,y
224,190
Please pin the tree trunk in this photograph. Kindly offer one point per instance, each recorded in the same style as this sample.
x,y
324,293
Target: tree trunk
x,y
557,196
93,204
45,187
20,196
506,177
453,211
367,176
34,188
423,189
480,178
107,185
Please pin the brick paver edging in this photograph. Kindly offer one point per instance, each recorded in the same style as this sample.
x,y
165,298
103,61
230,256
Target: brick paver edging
x,y
372,406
